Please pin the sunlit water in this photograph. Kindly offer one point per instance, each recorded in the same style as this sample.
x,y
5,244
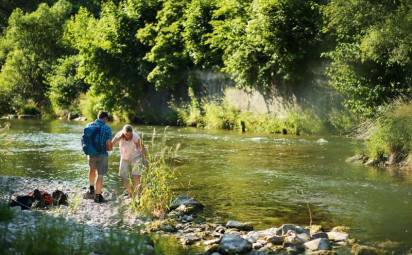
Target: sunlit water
x,y
266,180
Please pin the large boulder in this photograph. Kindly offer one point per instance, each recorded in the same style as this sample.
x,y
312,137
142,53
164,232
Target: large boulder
x,y
239,225
234,244
186,203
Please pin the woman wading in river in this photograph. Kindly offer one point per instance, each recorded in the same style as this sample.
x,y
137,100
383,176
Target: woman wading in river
x,y
131,158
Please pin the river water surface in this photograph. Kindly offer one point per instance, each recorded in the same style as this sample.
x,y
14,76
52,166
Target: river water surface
x,y
267,180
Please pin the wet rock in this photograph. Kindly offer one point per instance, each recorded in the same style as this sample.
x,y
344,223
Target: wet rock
x,y
293,239
239,225
318,244
322,141
285,228
186,209
234,244
364,250
337,236
276,240
319,235
186,201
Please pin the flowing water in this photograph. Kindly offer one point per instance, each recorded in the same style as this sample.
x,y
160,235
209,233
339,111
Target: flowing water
x,y
267,180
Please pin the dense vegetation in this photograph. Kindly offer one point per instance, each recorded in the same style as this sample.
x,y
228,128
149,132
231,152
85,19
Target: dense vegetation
x,y
81,56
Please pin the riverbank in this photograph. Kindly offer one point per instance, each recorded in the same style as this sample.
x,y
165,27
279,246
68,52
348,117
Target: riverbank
x,y
184,223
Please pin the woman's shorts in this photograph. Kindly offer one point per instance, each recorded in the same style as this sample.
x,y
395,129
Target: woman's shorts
x,y
133,167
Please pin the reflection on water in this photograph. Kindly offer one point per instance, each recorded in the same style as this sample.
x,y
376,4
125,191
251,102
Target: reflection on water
x,y
267,180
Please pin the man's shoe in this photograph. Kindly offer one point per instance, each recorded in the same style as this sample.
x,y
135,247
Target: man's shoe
x,y
99,198
89,194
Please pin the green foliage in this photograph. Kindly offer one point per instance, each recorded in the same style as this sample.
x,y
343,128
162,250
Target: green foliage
x,y
342,121
190,114
197,30
371,63
165,39
90,104
30,46
29,108
66,87
156,194
222,115
267,42
392,133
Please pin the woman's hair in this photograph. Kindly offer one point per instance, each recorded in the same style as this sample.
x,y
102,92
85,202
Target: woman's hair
x,y
127,128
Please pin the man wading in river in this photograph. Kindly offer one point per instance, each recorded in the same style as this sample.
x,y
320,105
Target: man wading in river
x,y
96,142
131,158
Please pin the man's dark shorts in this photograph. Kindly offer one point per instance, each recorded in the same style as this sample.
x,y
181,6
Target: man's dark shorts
x,y
101,163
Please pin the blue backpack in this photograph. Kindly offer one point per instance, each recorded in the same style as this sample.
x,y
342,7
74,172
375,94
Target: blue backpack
x,y
91,143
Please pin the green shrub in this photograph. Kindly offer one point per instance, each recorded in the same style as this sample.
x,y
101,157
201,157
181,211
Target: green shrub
x,y
393,132
90,104
29,108
220,115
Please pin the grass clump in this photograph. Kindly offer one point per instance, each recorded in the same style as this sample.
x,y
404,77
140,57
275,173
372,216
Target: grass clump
x,y
392,137
156,194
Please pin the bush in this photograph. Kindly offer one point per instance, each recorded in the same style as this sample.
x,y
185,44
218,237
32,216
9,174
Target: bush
x,y
29,108
90,105
393,132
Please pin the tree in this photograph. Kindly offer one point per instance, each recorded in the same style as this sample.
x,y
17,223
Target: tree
x,y
30,47
371,63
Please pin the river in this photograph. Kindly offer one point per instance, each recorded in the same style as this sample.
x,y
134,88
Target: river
x,y
267,179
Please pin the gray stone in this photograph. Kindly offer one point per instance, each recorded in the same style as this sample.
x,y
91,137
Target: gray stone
x,y
318,244
234,244
187,201
276,240
293,239
337,236
285,228
239,225
168,228
189,239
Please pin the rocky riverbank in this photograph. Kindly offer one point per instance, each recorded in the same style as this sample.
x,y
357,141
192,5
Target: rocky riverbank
x,y
392,161
184,222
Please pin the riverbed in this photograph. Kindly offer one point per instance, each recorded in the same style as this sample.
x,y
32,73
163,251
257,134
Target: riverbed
x,y
267,180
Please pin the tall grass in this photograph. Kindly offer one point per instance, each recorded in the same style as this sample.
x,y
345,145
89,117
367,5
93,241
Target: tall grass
x,y
48,235
222,115
156,194
393,133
